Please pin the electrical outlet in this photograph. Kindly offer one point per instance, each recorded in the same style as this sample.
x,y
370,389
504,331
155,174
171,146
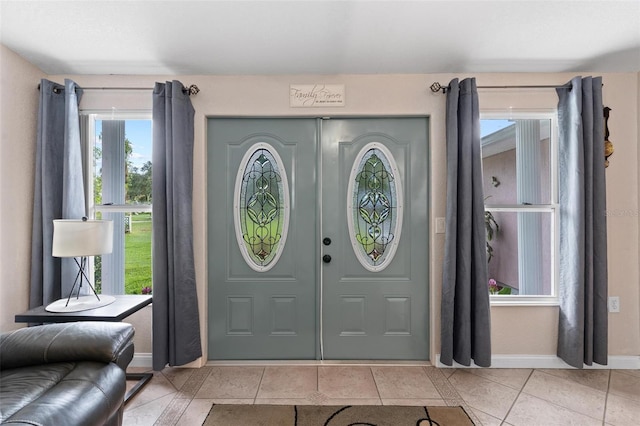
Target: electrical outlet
x,y
614,304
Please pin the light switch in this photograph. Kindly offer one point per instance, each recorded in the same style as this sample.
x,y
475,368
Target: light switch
x,y
440,225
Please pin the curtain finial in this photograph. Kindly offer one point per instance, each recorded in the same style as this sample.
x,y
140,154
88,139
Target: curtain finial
x,y
193,90
436,87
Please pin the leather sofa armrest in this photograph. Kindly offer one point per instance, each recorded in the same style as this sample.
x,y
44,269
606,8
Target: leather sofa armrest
x,y
68,342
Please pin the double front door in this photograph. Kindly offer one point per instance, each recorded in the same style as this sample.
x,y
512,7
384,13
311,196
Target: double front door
x,y
317,238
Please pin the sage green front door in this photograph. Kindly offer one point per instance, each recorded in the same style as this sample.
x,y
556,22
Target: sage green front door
x,y
262,271
375,292
318,238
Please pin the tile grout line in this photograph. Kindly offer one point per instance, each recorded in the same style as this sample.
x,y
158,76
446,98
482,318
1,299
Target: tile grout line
x,y
515,400
448,392
562,406
606,399
172,413
376,384
471,371
317,395
153,400
195,381
255,397
170,409
179,404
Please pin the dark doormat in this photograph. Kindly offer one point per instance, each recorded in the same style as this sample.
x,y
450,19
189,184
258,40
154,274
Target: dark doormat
x,y
320,415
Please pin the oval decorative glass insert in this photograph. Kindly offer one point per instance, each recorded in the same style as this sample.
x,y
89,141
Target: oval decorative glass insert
x,y
374,207
261,207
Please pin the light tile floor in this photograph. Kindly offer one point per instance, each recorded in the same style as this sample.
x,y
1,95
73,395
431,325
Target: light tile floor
x,y
517,397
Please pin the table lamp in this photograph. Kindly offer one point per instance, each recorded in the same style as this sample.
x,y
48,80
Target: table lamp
x,y
79,239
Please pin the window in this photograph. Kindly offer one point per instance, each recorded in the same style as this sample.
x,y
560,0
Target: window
x,y
119,189
519,160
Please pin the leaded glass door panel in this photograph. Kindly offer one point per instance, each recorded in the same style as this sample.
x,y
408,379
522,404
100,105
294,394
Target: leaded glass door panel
x,y
261,238
375,211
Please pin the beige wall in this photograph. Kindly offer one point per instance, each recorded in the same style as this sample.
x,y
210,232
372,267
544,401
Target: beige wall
x,y
622,208
515,330
18,114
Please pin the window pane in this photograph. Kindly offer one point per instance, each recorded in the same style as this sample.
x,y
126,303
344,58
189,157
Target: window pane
x,y
131,265
520,251
122,161
122,177
516,161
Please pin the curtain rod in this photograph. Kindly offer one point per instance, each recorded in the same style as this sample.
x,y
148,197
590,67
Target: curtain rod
x,y
191,90
436,87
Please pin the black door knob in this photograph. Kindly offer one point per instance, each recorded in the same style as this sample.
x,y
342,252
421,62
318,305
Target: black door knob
x,y
326,258
326,241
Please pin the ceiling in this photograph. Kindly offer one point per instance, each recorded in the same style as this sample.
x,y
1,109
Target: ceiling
x,y
323,37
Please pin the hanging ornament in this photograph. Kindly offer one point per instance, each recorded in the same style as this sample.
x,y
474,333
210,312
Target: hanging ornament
x,y
608,146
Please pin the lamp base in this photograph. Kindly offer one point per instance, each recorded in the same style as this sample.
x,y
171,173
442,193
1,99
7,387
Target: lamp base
x,y
82,303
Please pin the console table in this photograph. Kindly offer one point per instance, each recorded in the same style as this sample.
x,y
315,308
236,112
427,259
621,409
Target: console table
x,y
122,307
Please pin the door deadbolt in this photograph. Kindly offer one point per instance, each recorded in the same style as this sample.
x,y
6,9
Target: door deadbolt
x,y
326,241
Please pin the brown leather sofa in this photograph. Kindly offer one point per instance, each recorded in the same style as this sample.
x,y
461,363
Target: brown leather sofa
x,y
65,374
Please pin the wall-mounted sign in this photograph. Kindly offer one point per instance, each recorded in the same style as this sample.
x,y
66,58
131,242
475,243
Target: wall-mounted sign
x,y
316,95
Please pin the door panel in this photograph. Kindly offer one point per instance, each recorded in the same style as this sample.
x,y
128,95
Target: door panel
x,y
252,314
382,314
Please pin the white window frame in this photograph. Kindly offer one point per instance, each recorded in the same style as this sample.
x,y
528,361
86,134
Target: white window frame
x,y
552,207
90,138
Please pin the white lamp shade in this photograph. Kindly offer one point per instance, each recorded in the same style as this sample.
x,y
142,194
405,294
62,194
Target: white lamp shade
x,y
77,238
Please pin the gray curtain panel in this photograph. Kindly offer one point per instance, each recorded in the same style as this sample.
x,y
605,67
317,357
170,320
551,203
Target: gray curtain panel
x,y
465,316
59,188
176,324
582,328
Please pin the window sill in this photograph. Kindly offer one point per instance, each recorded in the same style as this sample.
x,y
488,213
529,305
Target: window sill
x,y
126,208
524,301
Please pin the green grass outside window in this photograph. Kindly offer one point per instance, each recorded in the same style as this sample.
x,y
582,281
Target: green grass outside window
x,y
137,268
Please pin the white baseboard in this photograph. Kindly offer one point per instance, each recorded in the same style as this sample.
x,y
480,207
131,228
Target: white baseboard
x,y
497,361
616,362
141,360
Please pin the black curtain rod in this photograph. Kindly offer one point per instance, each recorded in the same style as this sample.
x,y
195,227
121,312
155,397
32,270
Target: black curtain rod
x,y
436,87
191,90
